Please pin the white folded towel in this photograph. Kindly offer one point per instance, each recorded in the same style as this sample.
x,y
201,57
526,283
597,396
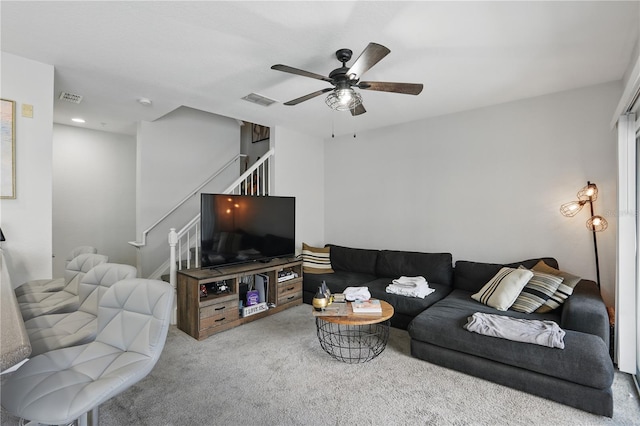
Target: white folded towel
x,y
410,287
409,281
545,333
356,293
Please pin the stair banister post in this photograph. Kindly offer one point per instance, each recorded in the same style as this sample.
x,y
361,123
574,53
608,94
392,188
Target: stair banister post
x,y
173,240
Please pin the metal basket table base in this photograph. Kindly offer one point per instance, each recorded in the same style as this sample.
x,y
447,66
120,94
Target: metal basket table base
x,y
352,343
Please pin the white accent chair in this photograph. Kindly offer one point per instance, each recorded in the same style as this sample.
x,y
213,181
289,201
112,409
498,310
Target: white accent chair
x,y
55,331
65,300
53,284
69,384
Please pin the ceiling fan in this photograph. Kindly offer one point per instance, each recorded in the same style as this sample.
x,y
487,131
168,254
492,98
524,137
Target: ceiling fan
x,y
343,97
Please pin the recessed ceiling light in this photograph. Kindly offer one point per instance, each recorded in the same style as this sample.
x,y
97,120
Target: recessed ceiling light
x,y
78,120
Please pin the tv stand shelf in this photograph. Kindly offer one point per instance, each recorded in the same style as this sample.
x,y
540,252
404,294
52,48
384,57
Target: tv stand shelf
x,y
201,317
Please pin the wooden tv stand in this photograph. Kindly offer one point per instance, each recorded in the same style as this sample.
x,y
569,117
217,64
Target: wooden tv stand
x,y
200,317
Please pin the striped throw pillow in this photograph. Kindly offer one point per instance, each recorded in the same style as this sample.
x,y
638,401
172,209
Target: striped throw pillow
x,y
316,260
564,290
537,291
503,289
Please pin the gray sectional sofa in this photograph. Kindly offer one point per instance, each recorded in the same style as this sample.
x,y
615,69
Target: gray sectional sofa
x,y
580,375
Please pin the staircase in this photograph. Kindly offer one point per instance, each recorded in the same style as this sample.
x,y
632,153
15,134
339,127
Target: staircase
x,y
184,249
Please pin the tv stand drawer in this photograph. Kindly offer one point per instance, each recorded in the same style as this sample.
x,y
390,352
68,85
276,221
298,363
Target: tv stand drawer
x,y
289,287
212,318
289,291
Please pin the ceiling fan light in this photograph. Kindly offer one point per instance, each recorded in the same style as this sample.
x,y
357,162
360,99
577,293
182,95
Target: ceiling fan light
x,y
344,99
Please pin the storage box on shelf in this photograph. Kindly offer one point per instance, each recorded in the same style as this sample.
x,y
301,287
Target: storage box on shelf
x,y
201,315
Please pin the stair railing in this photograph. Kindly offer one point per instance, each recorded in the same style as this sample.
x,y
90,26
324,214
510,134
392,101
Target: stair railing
x,y
143,241
186,242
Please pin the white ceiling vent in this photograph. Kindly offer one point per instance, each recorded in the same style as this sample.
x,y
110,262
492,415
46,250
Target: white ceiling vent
x,y
259,99
70,97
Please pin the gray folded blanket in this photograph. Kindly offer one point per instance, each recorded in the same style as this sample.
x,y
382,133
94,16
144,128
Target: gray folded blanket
x,y
545,333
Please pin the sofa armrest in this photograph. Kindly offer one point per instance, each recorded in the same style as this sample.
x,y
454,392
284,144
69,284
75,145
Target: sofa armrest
x,y
586,312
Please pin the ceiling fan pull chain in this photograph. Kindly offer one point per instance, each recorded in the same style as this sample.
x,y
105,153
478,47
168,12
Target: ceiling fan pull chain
x,y
354,123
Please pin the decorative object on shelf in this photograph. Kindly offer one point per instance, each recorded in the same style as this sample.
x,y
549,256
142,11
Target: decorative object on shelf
x,y
253,297
203,290
8,149
247,311
218,287
595,223
286,275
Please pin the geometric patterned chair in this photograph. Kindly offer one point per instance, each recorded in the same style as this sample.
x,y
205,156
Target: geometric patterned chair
x,y
55,331
65,300
53,284
69,384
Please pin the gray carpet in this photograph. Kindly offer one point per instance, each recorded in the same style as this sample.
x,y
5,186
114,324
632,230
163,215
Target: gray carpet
x,y
273,371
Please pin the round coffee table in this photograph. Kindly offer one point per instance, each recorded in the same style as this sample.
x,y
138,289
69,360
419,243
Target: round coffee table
x,y
354,338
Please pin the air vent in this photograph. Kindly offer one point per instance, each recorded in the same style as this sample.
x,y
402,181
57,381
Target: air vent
x,y
70,97
259,99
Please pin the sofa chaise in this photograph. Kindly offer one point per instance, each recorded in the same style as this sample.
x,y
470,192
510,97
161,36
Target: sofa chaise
x,y
580,375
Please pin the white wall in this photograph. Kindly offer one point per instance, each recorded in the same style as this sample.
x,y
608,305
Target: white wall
x,y
175,154
26,220
299,172
94,194
485,185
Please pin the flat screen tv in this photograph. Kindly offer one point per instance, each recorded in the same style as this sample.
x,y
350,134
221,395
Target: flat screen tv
x,y
246,228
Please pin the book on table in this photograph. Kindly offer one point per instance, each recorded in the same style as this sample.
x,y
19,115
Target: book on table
x,y
371,306
333,310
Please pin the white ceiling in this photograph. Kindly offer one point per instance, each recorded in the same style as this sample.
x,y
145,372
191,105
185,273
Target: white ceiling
x,y
208,55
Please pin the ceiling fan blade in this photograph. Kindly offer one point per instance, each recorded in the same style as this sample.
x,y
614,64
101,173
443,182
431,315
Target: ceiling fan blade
x,y
358,110
371,55
384,86
296,71
309,96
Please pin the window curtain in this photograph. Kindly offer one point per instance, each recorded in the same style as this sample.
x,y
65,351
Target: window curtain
x,y
637,254
627,283
637,213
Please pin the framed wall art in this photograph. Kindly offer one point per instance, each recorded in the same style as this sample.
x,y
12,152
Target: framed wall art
x,y
7,149
259,133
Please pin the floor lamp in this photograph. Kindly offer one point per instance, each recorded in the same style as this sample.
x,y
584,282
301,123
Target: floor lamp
x,y
595,223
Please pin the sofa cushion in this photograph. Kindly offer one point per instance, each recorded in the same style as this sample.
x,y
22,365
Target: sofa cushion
x,y
337,281
411,306
537,291
471,276
442,325
503,289
564,290
316,260
353,259
435,267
